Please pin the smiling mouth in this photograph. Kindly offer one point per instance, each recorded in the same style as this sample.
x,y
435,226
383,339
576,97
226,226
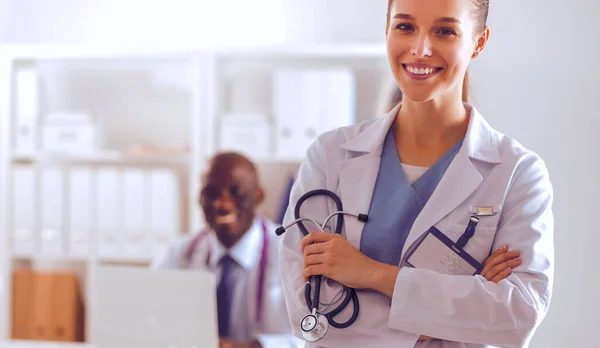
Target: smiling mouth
x,y
226,219
421,72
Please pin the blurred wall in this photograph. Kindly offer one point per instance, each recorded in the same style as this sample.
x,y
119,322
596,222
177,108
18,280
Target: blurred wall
x,y
538,81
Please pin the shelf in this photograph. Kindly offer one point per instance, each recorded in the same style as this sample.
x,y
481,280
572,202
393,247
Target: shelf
x,y
144,260
169,102
66,51
99,158
307,51
72,258
42,344
49,257
70,51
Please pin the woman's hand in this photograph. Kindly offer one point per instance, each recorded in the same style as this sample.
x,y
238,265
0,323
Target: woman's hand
x,y
496,267
500,264
331,255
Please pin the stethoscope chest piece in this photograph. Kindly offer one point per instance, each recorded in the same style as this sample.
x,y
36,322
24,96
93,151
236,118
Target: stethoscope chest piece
x,y
314,327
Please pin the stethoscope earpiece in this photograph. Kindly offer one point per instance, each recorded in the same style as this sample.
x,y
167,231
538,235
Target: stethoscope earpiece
x,y
280,230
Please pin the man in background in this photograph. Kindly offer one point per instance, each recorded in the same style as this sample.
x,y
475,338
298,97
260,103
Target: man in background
x,y
241,248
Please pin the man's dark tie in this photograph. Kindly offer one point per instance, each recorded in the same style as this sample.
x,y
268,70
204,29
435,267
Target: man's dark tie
x,y
225,294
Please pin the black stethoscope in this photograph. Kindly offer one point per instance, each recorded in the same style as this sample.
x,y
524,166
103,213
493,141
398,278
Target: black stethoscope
x,y
314,326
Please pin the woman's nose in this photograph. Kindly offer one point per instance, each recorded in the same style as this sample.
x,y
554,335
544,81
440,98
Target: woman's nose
x,y
421,46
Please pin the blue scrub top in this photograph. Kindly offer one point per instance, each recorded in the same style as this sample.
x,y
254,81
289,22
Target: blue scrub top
x,y
396,203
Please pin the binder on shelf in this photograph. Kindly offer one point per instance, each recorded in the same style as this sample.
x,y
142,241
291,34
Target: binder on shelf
x,y
287,107
164,211
80,209
26,110
41,306
47,306
22,286
66,318
133,198
338,107
52,207
107,211
309,102
24,210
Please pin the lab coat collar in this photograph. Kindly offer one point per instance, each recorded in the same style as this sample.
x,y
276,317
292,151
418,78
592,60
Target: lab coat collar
x,y
370,139
480,141
245,252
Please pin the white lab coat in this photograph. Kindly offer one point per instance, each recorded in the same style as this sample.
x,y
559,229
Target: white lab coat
x,y
489,170
274,330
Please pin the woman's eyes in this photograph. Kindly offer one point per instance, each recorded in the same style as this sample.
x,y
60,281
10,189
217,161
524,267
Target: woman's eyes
x,y
445,31
440,31
405,27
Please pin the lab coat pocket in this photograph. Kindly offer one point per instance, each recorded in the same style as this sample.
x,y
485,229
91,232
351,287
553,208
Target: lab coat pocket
x,y
479,246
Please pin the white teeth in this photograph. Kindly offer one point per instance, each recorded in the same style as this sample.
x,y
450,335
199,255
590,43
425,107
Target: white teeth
x,y
226,219
420,71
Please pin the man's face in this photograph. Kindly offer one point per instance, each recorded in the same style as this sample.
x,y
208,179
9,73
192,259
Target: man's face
x,y
229,197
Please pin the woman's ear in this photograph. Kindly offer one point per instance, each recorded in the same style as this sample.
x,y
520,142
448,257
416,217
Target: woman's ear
x,y
481,42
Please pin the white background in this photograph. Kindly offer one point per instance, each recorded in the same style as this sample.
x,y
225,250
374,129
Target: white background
x,y
538,81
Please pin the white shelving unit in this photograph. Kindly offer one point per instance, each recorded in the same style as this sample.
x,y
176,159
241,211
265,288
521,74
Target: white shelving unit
x,y
154,98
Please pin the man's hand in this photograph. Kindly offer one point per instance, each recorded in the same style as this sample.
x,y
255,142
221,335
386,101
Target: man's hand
x,y
227,343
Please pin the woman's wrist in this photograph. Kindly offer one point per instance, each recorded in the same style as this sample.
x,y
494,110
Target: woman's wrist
x,y
384,278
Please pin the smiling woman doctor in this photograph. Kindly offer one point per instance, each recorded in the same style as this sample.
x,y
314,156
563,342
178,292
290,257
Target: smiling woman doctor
x,y
432,164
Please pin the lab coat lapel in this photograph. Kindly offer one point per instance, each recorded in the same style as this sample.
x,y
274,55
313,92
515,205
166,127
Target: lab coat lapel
x,y
357,182
461,178
358,173
459,181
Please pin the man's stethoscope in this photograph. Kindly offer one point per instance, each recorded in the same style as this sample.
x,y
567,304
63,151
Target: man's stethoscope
x,y
188,255
314,326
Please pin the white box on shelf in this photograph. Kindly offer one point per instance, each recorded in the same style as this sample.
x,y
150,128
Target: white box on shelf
x,y
108,208
69,132
164,218
134,212
249,133
24,210
52,224
26,110
80,194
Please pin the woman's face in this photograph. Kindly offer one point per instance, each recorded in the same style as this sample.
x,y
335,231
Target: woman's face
x,y
430,44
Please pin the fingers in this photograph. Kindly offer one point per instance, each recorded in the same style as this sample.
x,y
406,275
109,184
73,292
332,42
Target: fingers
x,y
499,272
499,251
311,249
313,270
314,259
495,260
502,275
315,237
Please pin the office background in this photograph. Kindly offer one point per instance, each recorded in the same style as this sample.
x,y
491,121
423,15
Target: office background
x,y
538,81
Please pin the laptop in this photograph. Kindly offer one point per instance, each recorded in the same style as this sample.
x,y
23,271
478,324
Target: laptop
x,y
142,307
